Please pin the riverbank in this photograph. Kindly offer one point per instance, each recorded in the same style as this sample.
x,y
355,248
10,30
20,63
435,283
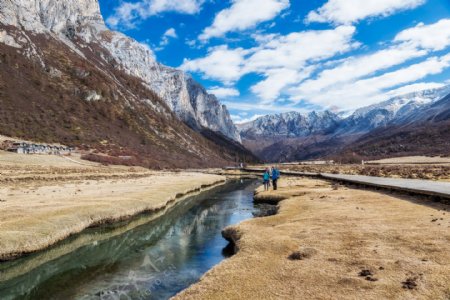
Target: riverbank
x,y
332,242
45,199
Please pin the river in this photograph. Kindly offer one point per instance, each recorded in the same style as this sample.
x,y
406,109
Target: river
x,y
151,257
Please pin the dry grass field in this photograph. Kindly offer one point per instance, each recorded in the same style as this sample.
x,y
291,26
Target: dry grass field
x,y
440,172
413,160
44,199
334,242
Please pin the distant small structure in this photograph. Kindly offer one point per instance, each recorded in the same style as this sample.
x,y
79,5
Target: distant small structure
x,y
31,148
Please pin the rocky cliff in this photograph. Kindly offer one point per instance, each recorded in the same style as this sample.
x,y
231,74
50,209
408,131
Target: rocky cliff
x,y
64,77
80,25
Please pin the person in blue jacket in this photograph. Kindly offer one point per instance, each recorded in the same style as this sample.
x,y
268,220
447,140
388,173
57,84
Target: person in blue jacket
x,y
266,179
275,177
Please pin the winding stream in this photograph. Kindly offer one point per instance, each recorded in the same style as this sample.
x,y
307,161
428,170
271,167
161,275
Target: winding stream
x,y
151,257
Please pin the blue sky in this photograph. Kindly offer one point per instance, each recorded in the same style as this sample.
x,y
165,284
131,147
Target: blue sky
x,y
271,56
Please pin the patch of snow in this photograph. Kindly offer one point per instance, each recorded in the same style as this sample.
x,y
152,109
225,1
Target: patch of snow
x,y
93,96
8,40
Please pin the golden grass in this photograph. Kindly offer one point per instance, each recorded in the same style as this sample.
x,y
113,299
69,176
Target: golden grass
x,y
319,243
413,160
43,204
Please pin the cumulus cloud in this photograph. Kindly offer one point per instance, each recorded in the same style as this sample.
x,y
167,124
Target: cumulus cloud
x,y
276,80
165,39
357,67
409,44
128,14
374,89
292,51
171,33
221,63
223,92
350,11
280,59
242,15
434,37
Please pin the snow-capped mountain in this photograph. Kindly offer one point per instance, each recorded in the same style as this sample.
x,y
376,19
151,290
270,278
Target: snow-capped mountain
x,y
294,136
291,124
394,110
294,124
79,24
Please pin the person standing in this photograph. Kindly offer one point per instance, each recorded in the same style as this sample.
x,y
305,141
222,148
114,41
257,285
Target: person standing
x,y
266,179
275,177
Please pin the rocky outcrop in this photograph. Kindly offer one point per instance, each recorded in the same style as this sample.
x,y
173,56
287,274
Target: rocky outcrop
x,y
290,125
79,24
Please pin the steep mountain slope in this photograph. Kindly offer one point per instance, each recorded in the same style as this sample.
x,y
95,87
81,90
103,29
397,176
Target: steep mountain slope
x,y
276,137
80,25
423,132
291,124
272,139
393,110
61,81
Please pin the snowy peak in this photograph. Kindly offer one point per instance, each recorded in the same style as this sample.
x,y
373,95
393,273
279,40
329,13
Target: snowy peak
x,y
291,124
393,110
294,124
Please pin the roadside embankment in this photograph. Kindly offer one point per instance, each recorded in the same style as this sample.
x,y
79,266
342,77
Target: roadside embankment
x,y
38,214
333,242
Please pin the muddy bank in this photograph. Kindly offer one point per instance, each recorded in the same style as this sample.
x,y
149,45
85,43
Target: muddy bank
x,y
36,217
334,242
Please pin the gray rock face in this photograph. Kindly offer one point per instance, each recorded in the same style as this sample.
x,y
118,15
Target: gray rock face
x,y
79,24
289,125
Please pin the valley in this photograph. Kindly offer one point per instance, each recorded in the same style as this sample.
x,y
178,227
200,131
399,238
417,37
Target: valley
x,y
270,149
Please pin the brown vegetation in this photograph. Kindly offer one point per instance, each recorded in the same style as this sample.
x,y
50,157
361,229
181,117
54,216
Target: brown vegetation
x,y
336,244
38,105
44,199
430,172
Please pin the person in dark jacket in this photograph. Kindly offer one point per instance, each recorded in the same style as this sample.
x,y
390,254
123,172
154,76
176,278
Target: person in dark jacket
x,y
266,179
275,177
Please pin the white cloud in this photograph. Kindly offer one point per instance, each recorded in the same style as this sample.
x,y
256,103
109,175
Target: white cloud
x,y
242,15
281,59
240,120
223,92
171,33
371,90
261,107
165,39
415,87
435,36
350,11
295,49
220,63
130,13
358,67
276,81
409,44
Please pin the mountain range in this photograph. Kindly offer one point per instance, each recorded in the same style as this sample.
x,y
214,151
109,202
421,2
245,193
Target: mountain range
x,y
296,136
65,77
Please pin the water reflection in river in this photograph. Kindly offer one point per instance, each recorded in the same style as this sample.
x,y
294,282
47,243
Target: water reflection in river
x,y
149,258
